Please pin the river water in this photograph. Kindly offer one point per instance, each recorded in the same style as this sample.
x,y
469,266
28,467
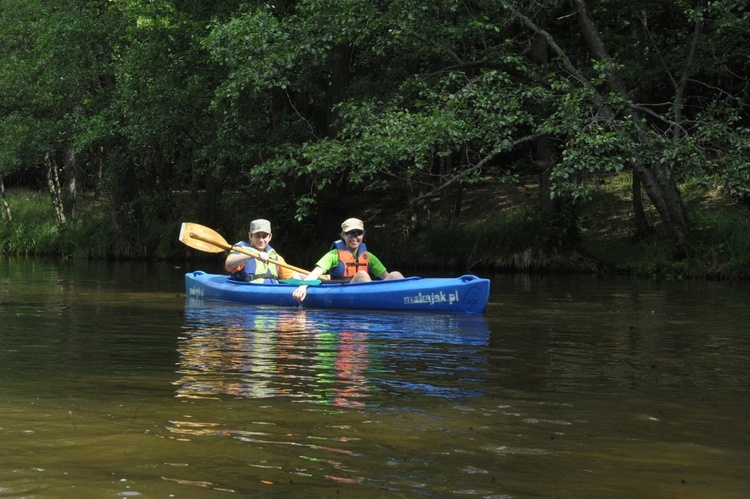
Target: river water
x,y
116,385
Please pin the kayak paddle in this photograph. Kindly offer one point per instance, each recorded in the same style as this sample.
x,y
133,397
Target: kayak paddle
x,y
205,239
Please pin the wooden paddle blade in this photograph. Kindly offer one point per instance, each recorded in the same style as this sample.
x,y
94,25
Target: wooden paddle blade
x,y
202,238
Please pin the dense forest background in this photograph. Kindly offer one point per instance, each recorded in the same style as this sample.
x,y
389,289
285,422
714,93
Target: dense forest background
x,y
134,115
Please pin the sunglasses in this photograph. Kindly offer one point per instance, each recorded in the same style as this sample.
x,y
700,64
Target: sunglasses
x,y
354,233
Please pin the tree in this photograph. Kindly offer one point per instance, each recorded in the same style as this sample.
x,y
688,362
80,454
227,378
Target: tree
x,y
155,134
412,110
51,65
297,106
661,144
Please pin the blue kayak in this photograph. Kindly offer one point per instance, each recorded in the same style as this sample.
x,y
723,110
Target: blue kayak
x,y
467,294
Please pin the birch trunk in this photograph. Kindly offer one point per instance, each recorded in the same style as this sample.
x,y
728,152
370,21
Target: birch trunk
x,y
54,189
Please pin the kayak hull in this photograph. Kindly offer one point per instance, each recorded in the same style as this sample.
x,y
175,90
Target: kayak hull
x,y
467,294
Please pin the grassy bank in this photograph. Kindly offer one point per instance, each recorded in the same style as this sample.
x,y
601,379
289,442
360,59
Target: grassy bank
x,y
718,247
35,232
500,232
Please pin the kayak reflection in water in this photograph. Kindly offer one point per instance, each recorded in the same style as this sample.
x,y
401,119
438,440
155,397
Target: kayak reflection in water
x,y
348,260
330,357
265,353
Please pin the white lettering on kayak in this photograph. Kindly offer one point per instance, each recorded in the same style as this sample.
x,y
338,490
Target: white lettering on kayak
x,y
432,298
195,291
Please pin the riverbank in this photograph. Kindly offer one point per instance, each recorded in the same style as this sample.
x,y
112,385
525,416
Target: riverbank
x,y
499,230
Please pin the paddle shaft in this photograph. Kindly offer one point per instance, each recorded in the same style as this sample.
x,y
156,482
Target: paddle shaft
x,y
241,249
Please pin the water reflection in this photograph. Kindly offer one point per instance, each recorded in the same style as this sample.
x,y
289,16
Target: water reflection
x,y
583,388
337,358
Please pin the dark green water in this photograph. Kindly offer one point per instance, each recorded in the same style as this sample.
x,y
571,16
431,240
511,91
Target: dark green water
x,y
114,385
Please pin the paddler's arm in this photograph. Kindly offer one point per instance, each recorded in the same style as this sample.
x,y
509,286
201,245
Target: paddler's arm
x,y
300,293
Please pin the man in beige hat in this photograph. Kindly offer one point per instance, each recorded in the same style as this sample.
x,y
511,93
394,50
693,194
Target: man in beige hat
x,y
261,269
348,260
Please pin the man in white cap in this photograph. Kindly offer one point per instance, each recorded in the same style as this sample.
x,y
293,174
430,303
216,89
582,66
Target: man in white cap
x,y
259,269
348,260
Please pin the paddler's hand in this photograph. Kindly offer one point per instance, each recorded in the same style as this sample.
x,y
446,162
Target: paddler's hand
x,y
300,293
263,257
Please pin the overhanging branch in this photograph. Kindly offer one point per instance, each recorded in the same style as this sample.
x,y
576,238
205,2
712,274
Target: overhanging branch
x,y
482,163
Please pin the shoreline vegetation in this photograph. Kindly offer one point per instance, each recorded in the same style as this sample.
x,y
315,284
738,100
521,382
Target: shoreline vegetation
x,y
499,231
477,137
470,137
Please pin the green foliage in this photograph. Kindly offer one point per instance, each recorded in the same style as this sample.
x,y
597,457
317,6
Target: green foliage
x,y
720,246
260,52
294,108
443,121
35,231
724,141
14,128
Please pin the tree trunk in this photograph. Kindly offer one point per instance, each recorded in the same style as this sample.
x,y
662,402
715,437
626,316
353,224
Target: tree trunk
x,y
341,77
99,172
641,222
660,187
7,216
542,145
126,208
543,158
54,189
665,196
72,182
452,197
